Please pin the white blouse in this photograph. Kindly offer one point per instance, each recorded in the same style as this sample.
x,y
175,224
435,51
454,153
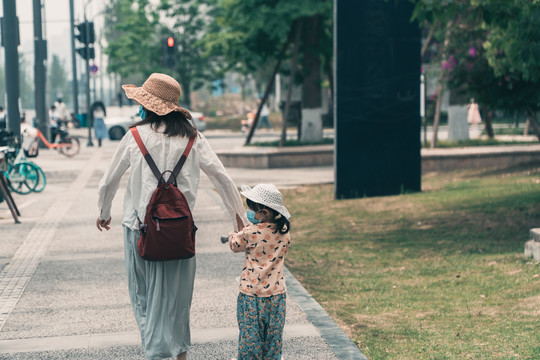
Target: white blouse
x,y
166,152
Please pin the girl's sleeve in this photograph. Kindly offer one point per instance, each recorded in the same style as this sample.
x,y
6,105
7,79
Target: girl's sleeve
x,y
238,241
243,239
212,166
108,185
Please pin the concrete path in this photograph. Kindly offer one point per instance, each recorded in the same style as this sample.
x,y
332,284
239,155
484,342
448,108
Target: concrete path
x,y
63,291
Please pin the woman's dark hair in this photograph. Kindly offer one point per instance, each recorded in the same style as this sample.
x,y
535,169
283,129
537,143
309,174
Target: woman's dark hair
x,y
176,123
282,223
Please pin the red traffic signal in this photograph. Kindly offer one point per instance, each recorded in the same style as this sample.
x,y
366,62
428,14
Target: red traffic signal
x,y
170,41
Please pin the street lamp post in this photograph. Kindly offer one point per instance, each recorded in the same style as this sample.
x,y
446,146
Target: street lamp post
x,y
89,115
73,59
40,56
10,42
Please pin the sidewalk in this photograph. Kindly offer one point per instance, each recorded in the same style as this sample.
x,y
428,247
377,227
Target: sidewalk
x,y
63,291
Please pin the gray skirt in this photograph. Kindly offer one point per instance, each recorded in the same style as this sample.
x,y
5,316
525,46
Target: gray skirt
x,y
160,293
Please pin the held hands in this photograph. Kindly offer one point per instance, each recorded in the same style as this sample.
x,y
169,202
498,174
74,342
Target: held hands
x,y
103,224
239,224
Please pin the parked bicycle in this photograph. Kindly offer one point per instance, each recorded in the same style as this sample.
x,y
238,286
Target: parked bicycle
x,y
67,144
23,176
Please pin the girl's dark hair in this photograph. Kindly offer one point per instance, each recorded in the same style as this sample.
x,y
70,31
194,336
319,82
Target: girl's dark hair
x,y
282,223
176,123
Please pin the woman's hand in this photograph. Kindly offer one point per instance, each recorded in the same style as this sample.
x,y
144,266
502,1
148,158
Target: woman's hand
x,y
103,224
239,222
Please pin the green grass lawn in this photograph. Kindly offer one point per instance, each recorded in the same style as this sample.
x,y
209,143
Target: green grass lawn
x,y
433,275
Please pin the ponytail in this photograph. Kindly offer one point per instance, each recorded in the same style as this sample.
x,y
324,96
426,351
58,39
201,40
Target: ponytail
x,y
283,224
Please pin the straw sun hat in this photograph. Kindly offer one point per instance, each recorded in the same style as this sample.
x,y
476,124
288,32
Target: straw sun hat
x,y
160,94
268,195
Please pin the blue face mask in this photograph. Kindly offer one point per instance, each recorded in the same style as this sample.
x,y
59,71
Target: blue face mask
x,y
251,217
142,112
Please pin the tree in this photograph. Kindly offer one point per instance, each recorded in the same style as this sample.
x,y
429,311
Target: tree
x,y
493,52
133,45
513,51
57,82
254,32
190,20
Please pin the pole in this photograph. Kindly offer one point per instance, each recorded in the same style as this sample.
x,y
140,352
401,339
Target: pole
x,y
101,70
89,116
11,41
423,106
40,59
73,59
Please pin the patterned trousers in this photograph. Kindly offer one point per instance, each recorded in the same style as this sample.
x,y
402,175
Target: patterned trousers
x,y
260,321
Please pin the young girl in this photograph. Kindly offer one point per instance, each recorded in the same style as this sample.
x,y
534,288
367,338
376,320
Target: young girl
x,y
261,301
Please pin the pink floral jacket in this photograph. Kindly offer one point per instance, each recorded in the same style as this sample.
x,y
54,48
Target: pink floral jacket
x,y
265,250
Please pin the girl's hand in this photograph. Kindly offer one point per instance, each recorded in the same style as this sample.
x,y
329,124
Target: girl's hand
x,y
103,224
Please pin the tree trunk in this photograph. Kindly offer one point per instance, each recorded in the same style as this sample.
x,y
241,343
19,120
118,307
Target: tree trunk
x,y
437,115
294,62
187,95
330,74
531,119
440,87
311,83
527,127
488,117
268,87
428,38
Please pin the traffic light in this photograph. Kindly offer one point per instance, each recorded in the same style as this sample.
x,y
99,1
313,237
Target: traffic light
x,y
86,37
87,52
169,47
86,33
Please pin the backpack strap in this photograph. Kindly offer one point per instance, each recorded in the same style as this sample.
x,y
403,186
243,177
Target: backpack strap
x,y
153,165
182,160
145,153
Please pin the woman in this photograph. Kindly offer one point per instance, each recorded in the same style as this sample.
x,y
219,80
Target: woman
x,y
473,113
100,129
161,291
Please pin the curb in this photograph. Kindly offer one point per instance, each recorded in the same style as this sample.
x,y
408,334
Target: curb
x,y
339,342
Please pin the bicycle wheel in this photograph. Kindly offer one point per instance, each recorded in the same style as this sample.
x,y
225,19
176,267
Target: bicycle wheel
x,y
23,177
42,180
72,149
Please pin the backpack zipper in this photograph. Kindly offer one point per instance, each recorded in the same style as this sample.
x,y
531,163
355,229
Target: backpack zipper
x,y
157,221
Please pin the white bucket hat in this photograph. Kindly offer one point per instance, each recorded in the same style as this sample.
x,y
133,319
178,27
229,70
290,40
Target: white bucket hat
x,y
268,195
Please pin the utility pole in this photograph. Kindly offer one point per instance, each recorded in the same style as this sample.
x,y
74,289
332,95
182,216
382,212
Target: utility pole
x,y
73,59
89,115
40,59
10,41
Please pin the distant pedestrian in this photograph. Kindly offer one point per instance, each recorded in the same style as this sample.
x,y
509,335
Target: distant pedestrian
x,y
3,122
54,123
161,291
28,136
100,129
61,109
473,114
261,304
265,112
120,99
247,122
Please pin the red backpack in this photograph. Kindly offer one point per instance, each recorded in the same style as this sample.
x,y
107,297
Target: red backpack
x,y
168,230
